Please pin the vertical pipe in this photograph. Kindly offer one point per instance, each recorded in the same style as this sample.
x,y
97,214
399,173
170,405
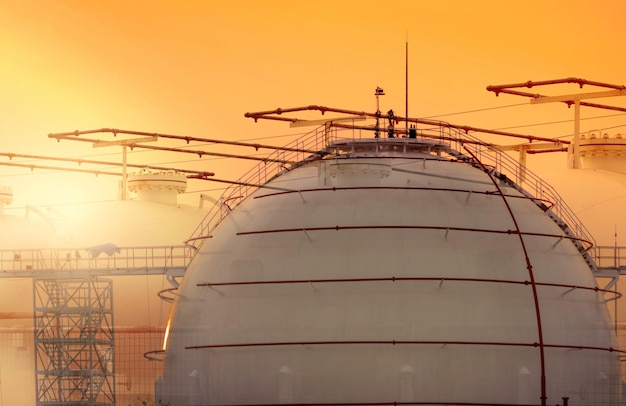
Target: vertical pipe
x,y
124,175
616,265
576,143
522,160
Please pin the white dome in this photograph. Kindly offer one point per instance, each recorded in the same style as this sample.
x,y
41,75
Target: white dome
x,y
394,279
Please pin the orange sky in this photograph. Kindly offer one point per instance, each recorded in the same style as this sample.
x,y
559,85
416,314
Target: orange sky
x,y
195,67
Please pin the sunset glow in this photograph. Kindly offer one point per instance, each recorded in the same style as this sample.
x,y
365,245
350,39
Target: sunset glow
x,y
194,68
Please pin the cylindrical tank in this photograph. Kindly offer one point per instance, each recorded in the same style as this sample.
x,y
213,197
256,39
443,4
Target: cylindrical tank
x,y
387,273
157,186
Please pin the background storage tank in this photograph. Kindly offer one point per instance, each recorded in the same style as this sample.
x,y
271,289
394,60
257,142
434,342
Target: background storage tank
x,y
151,222
154,220
31,228
603,172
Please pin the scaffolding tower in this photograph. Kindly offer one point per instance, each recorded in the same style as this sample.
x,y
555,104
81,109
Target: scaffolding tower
x,y
74,345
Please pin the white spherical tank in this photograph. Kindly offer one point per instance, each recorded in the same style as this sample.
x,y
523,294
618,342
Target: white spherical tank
x,y
392,271
597,191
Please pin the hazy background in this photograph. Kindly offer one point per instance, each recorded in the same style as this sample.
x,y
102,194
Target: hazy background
x,y
195,67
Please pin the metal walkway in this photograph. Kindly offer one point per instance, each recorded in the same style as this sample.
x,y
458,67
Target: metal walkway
x,y
610,261
101,260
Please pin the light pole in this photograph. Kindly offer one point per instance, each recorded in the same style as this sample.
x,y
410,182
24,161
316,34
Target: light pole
x,y
379,92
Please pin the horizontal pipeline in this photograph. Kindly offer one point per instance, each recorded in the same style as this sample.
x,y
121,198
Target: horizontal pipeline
x,y
405,342
404,279
408,227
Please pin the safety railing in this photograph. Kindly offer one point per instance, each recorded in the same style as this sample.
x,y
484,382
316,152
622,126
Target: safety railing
x,y
528,182
276,163
105,259
610,257
460,145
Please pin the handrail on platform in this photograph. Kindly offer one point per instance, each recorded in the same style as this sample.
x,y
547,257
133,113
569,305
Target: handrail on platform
x,y
97,260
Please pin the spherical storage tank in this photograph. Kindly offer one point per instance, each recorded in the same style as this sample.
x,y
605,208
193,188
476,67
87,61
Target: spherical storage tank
x,y
391,270
603,166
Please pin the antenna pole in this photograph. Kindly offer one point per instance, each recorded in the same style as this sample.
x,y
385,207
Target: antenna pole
x,y
406,80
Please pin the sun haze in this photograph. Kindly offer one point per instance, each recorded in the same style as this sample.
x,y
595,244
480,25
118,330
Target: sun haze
x,y
194,68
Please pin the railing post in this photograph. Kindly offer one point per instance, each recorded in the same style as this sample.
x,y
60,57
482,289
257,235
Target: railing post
x,y
327,127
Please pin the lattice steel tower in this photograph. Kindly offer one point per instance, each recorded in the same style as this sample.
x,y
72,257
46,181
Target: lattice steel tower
x,y
74,346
